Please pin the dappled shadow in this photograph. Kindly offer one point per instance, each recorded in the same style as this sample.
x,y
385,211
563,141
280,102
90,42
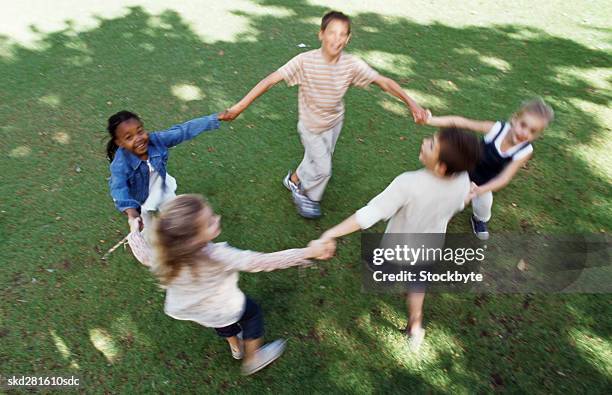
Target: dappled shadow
x,y
56,98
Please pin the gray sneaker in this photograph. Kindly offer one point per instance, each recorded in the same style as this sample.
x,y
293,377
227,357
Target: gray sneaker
x,y
264,356
290,185
306,208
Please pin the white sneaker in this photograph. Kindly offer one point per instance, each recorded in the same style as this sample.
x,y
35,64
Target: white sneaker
x,y
415,340
264,356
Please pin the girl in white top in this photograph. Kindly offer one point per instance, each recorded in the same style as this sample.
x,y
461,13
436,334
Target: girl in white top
x,y
201,277
421,201
506,147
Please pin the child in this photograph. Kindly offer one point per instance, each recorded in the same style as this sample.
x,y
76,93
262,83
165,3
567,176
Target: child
x,y
506,148
421,201
139,183
201,277
324,75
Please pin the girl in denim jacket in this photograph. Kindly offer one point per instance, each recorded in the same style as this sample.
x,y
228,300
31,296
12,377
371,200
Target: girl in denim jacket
x,y
139,182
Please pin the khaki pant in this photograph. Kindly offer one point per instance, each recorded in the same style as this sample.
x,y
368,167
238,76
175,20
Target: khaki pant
x,y
315,170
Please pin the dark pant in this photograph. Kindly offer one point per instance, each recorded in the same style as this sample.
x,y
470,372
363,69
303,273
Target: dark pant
x,y
250,324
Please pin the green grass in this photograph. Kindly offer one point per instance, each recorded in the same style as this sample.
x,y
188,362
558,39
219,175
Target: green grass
x,y
61,305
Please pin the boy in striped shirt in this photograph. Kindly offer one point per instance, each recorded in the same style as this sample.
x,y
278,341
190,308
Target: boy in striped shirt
x,y
324,75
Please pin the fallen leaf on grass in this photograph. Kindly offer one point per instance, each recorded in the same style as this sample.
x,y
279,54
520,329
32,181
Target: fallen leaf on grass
x,y
522,265
525,225
496,380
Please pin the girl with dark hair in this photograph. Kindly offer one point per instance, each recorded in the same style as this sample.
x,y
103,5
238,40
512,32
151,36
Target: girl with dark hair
x,y
139,182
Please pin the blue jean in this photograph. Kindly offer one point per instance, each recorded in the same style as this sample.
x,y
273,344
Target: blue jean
x,y
250,324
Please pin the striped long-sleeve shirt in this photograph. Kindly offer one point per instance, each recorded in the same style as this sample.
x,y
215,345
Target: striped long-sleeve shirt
x,y
209,294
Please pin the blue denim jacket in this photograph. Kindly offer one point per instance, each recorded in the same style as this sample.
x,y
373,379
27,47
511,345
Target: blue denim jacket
x,y
129,181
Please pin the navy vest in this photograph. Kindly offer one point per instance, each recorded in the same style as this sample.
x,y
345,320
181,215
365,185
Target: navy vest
x,y
492,163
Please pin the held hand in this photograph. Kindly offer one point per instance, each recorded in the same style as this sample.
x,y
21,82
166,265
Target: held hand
x,y
321,249
428,118
223,116
230,114
474,191
419,114
135,223
330,248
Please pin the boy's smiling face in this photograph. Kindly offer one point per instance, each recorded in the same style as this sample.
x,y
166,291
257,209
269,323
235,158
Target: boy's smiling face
x,y
335,37
131,136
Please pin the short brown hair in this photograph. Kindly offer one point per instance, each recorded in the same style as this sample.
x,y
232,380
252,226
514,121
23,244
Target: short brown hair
x,y
459,150
335,15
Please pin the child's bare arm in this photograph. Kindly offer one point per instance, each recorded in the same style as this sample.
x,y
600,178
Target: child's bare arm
x,y
345,227
503,178
382,207
390,86
259,89
460,122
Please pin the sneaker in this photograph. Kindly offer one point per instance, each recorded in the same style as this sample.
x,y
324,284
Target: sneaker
x,y
264,356
415,340
237,353
479,228
306,208
290,185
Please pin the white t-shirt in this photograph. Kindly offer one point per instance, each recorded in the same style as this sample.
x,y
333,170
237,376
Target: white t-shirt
x,y
512,150
157,194
417,202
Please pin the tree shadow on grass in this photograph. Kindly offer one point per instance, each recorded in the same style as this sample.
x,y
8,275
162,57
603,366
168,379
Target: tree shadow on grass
x,y
56,98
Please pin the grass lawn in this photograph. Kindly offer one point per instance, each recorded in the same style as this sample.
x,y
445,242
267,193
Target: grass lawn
x,y
65,69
